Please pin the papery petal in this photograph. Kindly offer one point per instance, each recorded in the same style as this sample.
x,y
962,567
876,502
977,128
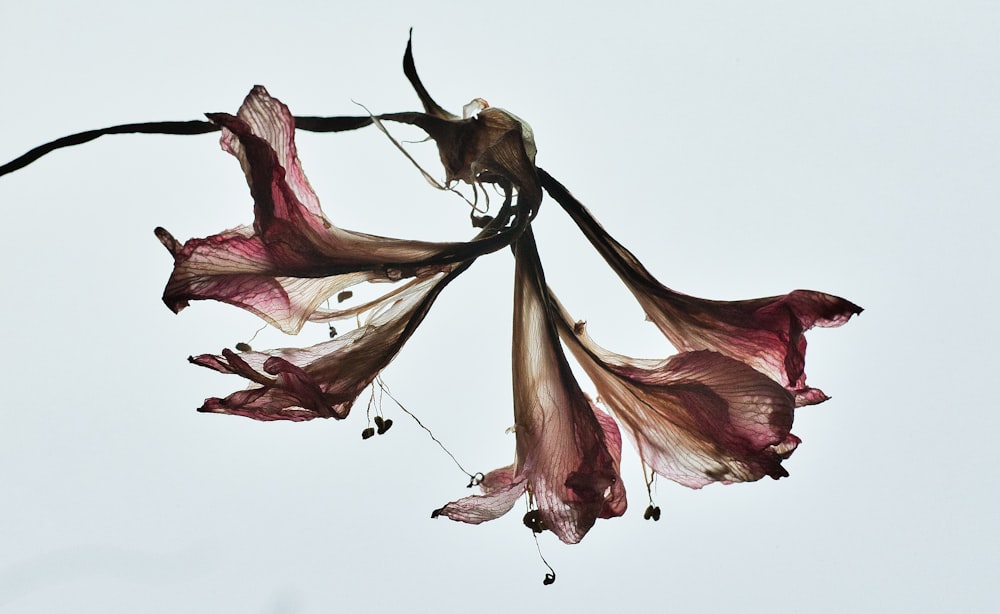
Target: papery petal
x,y
264,269
235,267
564,448
697,417
765,333
323,381
501,490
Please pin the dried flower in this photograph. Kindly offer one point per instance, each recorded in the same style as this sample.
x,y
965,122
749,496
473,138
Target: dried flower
x,y
719,411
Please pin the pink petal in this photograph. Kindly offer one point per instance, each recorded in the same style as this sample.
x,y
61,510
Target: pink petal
x,y
501,490
324,380
766,333
696,418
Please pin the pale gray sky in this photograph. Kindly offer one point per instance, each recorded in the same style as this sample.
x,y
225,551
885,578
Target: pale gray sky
x,y
740,149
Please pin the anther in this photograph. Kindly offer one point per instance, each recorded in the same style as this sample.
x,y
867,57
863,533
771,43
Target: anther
x,y
533,520
383,425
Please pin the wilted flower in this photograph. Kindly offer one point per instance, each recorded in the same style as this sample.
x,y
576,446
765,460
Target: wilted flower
x,y
324,380
721,410
568,451
293,258
765,333
696,417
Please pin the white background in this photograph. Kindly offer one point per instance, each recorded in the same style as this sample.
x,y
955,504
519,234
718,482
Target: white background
x,y
740,149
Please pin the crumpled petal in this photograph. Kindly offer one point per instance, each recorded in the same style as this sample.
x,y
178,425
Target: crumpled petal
x,y
293,258
501,490
323,381
766,333
568,451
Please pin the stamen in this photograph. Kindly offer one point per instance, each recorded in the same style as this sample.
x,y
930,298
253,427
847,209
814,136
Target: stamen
x,y
474,478
533,520
244,346
550,577
653,511
427,176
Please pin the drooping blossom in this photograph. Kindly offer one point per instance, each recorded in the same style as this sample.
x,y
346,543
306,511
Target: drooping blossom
x,y
293,258
696,417
766,333
323,381
568,451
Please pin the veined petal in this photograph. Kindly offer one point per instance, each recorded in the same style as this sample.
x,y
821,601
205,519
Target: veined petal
x,y
697,417
501,490
235,267
568,454
766,333
323,381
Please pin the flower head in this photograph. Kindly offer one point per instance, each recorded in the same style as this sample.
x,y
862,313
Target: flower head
x,y
719,411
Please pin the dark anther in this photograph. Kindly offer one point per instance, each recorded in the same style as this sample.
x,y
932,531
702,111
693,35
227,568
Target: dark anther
x,y
379,422
333,331
243,347
383,425
652,513
550,578
343,296
533,520
368,432
475,480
